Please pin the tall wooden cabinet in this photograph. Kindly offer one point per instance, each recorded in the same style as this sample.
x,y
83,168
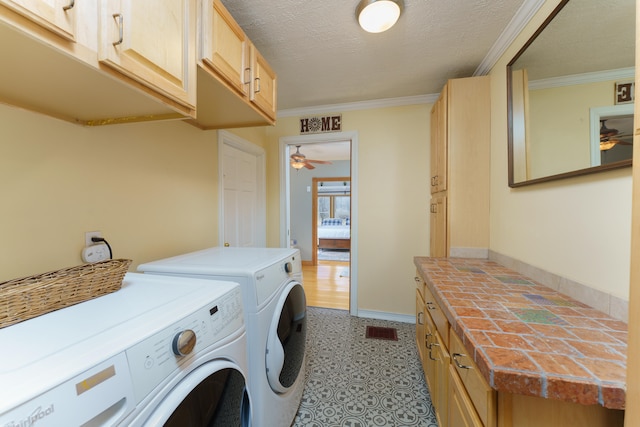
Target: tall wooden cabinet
x,y
460,156
632,416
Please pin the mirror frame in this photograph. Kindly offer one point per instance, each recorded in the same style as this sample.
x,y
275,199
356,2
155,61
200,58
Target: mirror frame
x,y
570,174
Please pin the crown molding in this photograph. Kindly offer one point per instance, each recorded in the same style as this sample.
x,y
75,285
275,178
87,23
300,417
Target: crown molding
x,y
584,78
360,105
522,17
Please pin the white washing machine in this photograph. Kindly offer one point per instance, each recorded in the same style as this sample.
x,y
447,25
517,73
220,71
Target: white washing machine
x,y
159,351
275,312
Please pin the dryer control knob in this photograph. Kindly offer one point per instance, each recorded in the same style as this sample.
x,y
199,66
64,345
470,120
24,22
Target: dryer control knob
x,y
288,267
184,342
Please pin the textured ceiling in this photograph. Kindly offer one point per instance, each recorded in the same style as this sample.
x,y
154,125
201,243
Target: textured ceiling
x,y
323,57
585,36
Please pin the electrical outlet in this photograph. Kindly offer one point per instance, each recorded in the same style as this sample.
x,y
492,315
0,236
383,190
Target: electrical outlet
x,y
88,235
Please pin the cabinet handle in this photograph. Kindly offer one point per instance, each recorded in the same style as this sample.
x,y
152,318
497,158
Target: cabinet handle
x,y
420,318
426,341
118,17
458,364
247,80
69,6
257,80
430,356
417,279
430,306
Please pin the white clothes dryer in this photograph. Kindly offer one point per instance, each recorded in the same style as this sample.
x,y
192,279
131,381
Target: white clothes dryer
x,y
159,351
275,310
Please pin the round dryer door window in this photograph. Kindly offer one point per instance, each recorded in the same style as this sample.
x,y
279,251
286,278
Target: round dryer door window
x,y
213,395
287,338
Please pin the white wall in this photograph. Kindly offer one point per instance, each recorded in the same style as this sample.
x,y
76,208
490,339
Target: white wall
x,y
576,228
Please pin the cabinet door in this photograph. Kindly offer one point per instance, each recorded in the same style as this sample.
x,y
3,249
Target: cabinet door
x,y
225,47
55,15
263,84
461,411
439,134
420,343
438,218
429,362
439,396
152,42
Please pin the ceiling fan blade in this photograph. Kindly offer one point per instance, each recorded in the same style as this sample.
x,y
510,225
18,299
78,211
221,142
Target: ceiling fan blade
x,y
309,165
324,162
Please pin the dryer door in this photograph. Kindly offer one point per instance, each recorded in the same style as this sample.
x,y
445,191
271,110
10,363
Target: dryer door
x,y
286,340
214,394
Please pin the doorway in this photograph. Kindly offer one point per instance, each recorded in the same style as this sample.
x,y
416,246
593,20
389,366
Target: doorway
x,y
287,147
331,219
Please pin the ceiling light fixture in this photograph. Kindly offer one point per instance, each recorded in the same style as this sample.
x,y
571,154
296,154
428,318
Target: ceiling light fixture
x,y
376,16
296,164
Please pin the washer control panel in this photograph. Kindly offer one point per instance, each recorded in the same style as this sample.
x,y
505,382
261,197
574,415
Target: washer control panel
x,y
154,359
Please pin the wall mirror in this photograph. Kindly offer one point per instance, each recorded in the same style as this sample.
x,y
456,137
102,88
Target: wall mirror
x,y
570,93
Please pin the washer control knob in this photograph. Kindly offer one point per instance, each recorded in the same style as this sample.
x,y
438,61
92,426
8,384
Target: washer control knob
x,y
184,342
288,267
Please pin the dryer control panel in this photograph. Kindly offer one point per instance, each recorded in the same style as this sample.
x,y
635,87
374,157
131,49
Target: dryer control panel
x,y
153,360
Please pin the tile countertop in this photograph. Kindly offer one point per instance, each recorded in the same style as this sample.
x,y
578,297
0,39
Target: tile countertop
x,y
527,338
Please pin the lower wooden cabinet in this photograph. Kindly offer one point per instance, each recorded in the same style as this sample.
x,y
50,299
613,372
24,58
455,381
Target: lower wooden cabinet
x,y
482,396
461,410
461,395
438,354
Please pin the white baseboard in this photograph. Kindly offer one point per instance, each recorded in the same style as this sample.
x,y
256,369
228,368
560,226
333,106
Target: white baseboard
x,y
382,315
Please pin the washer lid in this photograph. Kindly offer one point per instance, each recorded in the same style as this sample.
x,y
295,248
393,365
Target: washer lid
x,y
45,351
228,261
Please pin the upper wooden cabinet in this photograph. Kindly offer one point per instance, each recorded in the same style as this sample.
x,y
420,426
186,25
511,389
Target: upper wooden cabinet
x,y
152,42
236,85
263,84
52,75
117,61
58,16
225,47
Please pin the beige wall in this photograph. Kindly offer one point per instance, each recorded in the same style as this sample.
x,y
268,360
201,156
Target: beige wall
x,y
151,188
577,228
393,176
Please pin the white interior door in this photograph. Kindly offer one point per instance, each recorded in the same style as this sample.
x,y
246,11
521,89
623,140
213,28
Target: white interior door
x,y
242,189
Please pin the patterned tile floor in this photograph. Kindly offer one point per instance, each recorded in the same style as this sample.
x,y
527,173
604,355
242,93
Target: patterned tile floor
x,y
354,381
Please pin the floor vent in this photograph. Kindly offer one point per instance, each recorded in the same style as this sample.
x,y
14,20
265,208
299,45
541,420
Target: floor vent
x,y
380,333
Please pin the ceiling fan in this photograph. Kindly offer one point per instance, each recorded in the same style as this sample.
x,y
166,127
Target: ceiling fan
x,y
609,138
299,160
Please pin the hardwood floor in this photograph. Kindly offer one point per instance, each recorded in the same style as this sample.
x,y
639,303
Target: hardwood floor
x,y
324,286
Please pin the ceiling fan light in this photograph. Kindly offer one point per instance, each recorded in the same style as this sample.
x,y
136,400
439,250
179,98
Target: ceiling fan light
x,y
297,165
608,145
376,16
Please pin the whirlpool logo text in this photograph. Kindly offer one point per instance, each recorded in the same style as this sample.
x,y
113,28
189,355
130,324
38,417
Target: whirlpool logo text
x,y
37,415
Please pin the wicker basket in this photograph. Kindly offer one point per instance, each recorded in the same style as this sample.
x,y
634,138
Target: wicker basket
x,y
28,297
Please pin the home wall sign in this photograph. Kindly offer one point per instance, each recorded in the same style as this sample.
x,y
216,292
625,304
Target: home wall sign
x,y
625,92
321,124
